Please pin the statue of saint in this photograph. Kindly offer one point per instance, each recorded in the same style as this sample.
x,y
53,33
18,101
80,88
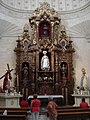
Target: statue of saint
x,y
64,71
45,30
6,83
25,72
84,80
45,65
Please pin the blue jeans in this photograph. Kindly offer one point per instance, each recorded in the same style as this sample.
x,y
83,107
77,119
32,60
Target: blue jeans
x,y
35,115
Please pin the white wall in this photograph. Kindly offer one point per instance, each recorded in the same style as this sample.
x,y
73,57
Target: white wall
x,y
11,27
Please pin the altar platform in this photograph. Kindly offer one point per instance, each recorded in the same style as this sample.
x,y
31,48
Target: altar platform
x,y
44,99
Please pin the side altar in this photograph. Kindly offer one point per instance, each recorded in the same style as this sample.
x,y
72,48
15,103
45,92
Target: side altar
x,y
78,97
10,100
82,91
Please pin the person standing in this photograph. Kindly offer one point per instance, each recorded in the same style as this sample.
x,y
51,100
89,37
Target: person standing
x,y
84,104
35,107
52,109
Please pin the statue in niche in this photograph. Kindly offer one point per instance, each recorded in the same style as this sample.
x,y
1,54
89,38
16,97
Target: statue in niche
x,y
25,71
45,30
64,71
45,65
84,80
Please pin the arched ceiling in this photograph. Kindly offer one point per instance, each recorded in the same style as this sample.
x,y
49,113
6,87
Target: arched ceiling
x,y
9,29
59,5
81,30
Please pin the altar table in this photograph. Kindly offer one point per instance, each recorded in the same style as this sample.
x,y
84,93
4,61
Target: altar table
x,y
44,99
46,96
78,99
8,101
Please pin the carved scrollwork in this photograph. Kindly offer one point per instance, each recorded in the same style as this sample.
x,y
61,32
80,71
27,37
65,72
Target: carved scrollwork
x,y
44,42
45,8
56,29
25,38
63,39
33,36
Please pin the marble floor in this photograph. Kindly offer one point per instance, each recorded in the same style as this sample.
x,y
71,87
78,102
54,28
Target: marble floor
x,y
41,117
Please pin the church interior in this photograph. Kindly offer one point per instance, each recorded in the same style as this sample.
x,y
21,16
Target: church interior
x,y
45,49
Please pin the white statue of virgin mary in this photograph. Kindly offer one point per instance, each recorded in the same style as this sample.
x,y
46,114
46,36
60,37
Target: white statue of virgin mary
x,y
84,80
45,65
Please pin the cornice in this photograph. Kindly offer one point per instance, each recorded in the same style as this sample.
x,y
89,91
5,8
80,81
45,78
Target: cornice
x,y
73,14
18,13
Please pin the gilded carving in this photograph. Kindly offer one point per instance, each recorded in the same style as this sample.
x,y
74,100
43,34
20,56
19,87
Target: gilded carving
x,y
33,36
45,8
48,39
56,29
44,42
63,39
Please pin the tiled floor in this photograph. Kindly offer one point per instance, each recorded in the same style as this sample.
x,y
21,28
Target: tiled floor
x,y
41,117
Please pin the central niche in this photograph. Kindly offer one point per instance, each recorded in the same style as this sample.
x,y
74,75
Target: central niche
x,y
44,29
44,61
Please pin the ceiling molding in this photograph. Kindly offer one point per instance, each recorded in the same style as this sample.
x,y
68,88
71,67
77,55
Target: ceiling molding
x,y
6,9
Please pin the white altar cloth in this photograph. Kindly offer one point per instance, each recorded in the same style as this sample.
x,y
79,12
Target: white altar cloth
x,y
46,96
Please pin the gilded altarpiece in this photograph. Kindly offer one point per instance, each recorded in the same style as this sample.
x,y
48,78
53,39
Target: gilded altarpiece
x,y
45,56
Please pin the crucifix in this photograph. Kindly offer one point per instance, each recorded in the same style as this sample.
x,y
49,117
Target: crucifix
x,y
8,72
6,84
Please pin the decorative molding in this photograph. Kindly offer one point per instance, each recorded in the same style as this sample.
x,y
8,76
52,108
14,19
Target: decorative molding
x,y
6,9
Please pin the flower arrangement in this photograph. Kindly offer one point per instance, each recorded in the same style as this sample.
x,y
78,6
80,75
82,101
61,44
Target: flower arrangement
x,y
50,78
39,79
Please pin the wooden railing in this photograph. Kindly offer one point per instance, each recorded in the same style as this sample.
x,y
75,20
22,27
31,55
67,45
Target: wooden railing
x,y
73,113
64,113
14,113
12,117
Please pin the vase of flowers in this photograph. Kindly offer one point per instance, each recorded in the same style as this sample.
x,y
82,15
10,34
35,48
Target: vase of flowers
x,y
39,79
50,79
